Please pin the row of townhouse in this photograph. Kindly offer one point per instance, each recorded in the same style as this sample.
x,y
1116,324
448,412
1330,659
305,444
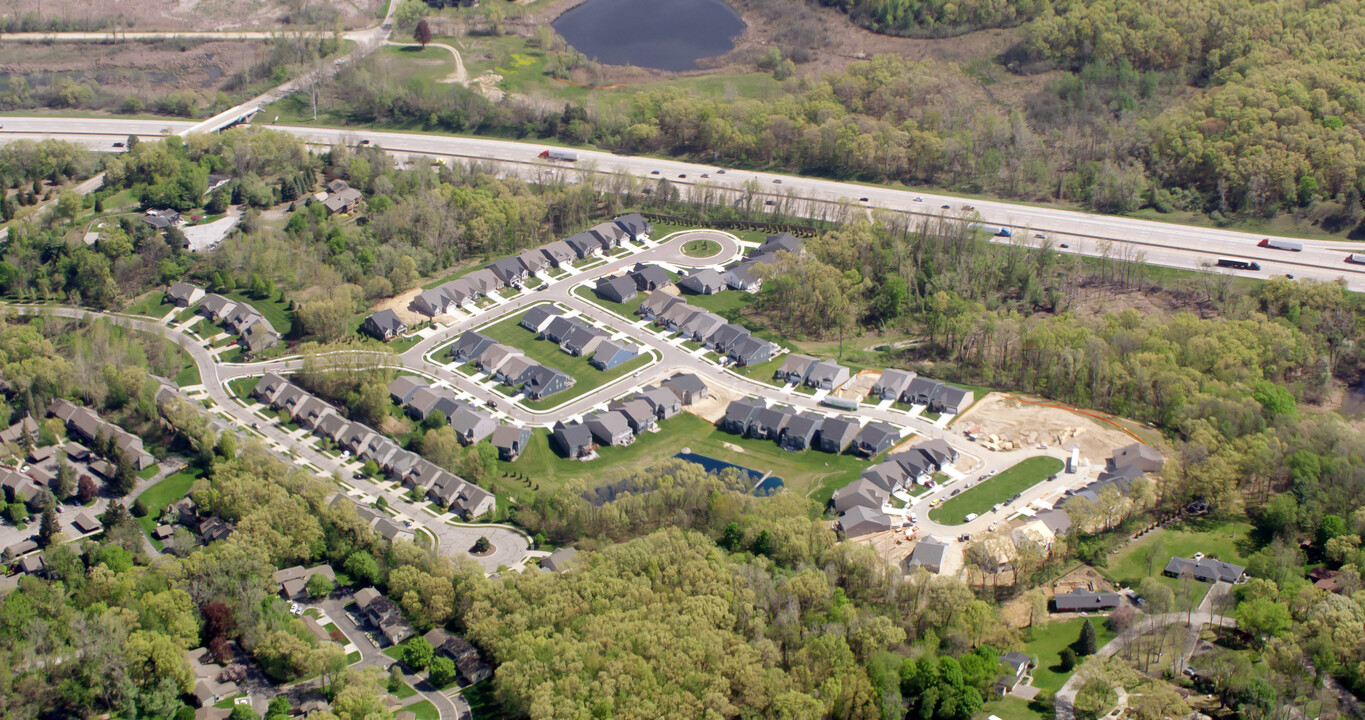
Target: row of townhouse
x,y
859,504
412,470
625,419
819,374
89,427
908,387
801,431
624,287
509,366
514,270
731,340
247,322
470,423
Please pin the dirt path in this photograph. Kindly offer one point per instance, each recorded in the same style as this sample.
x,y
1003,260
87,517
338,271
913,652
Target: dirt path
x,y
460,75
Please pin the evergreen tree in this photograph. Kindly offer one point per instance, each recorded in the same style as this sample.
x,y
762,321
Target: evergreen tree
x,y
1087,644
48,529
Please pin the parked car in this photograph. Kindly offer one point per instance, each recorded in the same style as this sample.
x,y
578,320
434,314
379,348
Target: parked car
x,y
955,492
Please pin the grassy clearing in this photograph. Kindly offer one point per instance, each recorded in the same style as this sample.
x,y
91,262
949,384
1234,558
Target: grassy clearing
x,y
1226,540
728,304
429,64
1046,646
189,371
989,493
151,304
404,691
165,492
701,248
424,710
587,378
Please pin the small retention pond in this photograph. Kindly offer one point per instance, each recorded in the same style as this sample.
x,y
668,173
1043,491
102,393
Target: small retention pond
x,y
768,486
661,34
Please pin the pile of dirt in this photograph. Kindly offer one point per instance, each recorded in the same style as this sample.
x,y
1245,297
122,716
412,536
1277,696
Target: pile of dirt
x,y
1022,422
718,397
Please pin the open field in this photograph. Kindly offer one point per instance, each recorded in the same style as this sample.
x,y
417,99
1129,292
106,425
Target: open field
x,y
686,432
1225,540
587,377
988,493
272,308
208,15
165,492
152,304
1046,644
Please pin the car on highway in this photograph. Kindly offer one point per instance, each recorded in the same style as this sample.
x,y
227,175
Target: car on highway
x,y
992,527
1064,245
862,200
705,175
946,206
653,172
935,502
769,202
682,175
919,199
366,141
720,171
777,181
118,144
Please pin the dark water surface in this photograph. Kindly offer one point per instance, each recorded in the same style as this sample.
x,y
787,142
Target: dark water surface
x,y
661,34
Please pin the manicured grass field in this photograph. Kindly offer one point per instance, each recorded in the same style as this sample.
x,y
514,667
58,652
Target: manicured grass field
x,y
587,377
165,492
1225,540
1012,708
763,372
189,372
424,710
152,304
701,248
404,691
799,471
989,493
727,303
1046,646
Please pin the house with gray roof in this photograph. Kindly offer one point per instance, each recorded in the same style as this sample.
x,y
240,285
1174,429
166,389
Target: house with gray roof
x,y
609,235
542,382
915,465
800,432
472,425
657,303
701,326
509,271
495,355
469,346
662,401
782,242
649,278
768,423
929,553
215,307
558,327
612,354
638,413
1055,519
260,336
510,441
739,414
610,428
951,400
1205,569
403,386
892,384
687,386
421,474
539,316
886,475
384,325
836,434
441,299
427,400
333,426
1140,455
860,521
583,340
751,351
703,282
742,277
558,560
584,245
559,253
876,438
795,368
859,493
183,294
725,337
574,440
269,387
1079,600
617,289
533,260
514,371
635,226
921,390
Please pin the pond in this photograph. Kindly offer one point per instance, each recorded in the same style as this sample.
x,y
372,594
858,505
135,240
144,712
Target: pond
x,y
768,486
661,34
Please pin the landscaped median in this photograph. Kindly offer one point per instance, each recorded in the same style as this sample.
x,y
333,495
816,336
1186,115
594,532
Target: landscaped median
x,y
991,492
586,377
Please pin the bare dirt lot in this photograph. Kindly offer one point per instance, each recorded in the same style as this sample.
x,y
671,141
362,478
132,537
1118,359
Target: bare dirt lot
x,y
712,409
203,15
1008,418
399,305
143,69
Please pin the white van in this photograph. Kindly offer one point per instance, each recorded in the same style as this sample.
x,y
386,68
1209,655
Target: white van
x,y
971,516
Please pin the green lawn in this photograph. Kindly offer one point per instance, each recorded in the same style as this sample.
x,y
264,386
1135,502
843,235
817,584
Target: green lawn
x,y
626,309
1225,540
424,710
763,372
799,471
189,371
727,304
152,304
1046,645
587,378
483,704
404,691
272,308
242,387
428,64
234,354
353,657
1012,708
989,493
701,248
394,651
165,492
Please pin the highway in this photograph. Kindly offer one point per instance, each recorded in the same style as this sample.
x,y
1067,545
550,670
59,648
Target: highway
x,y
1158,243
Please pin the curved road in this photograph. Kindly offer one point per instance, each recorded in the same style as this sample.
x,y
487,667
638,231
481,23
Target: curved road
x,y
453,539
